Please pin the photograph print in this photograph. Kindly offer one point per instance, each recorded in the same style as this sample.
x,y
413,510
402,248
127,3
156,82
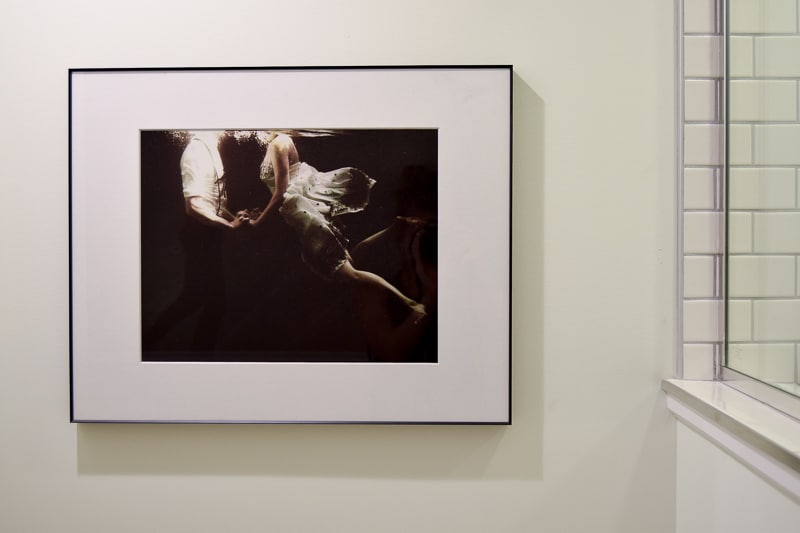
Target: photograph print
x,y
281,245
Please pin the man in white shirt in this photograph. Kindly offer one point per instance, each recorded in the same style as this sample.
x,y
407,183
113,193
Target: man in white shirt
x,y
203,179
205,202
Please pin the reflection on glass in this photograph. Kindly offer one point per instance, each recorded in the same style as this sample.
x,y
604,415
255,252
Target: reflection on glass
x,y
763,197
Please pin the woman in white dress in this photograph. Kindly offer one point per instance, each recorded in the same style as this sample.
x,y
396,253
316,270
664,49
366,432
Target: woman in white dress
x,y
308,200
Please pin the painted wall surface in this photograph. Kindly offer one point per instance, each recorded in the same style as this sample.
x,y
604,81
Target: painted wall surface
x,y
717,494
591,447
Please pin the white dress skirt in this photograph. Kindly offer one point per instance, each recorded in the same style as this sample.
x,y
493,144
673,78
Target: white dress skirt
x,y
311,201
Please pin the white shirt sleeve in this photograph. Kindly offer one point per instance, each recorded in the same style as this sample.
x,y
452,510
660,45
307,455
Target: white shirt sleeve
x,y
197,170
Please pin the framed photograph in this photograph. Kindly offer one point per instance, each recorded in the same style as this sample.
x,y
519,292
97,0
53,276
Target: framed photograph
x,y
291,245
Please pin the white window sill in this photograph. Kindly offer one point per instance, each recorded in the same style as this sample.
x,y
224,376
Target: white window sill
x,y
761,437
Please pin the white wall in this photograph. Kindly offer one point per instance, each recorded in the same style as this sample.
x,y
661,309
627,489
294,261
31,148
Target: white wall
x,y
591,448
717,494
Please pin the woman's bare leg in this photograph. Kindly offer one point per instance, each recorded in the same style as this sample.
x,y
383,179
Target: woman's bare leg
x,y
347,273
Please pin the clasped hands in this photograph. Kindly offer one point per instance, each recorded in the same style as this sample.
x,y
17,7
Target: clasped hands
x,y
247,216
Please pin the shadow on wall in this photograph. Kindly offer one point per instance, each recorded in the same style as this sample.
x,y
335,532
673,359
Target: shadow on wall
x,y
364,451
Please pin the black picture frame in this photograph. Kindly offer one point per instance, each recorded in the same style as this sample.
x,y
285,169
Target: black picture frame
x,y
128,128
